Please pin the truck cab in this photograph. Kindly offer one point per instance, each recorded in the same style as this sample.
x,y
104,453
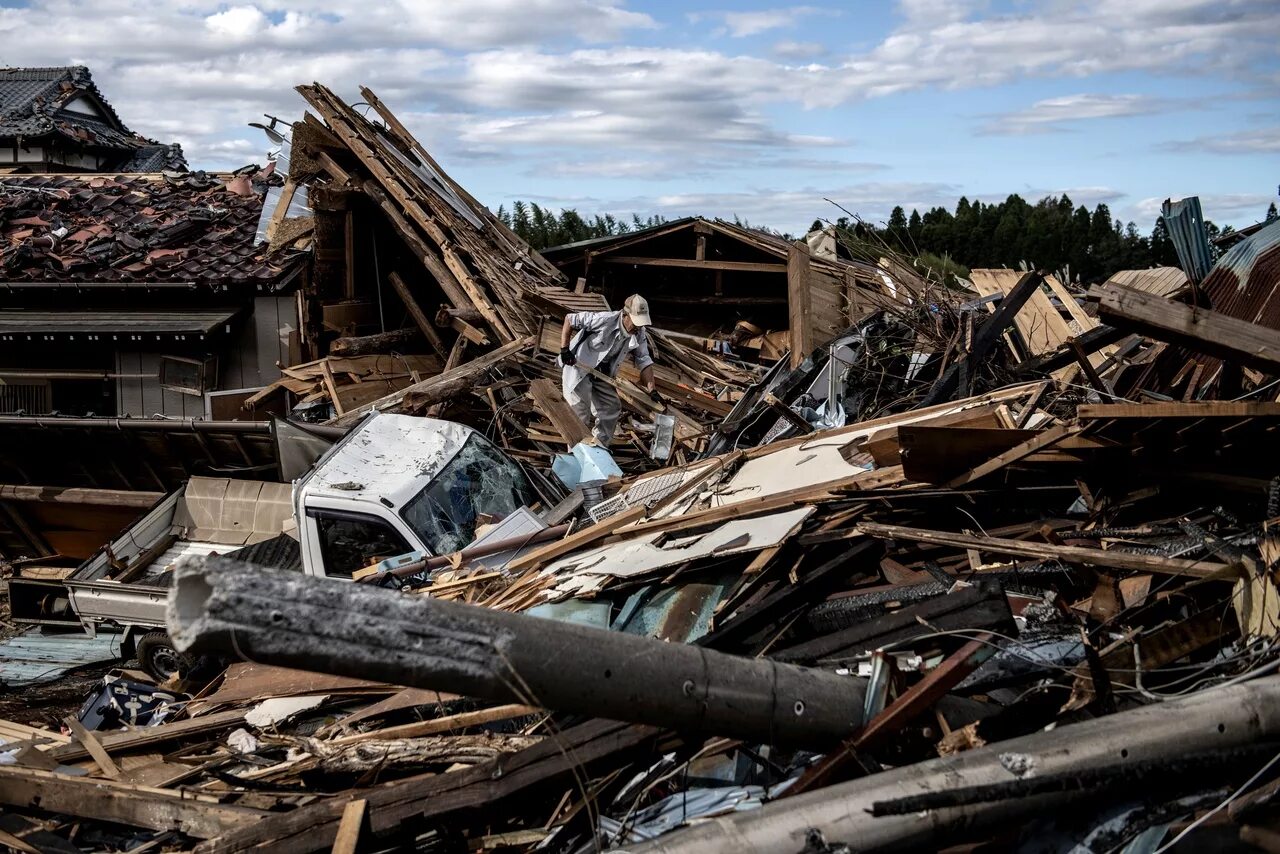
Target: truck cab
x,y
398,484
394,484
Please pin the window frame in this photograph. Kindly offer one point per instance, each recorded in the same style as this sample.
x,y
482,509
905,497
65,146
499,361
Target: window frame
x,y
318,514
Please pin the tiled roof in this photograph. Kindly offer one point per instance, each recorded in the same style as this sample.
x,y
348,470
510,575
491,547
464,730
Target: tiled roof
x,y
33,104
156,158
188,227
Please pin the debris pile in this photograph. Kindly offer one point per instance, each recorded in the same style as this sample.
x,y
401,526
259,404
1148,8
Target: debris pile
x,y
992,567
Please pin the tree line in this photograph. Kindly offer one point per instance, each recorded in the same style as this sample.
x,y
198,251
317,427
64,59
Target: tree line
x,y
543,228
1053,234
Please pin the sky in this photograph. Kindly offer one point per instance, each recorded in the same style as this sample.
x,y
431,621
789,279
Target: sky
x,y
771,113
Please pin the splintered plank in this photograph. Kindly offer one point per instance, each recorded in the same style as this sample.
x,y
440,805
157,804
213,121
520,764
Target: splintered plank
x,y
1199,329
201,816
1048,551
1043,439
549,401
587,536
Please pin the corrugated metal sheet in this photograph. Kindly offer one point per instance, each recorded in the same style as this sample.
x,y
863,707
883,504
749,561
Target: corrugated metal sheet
x,y
33,657
1244,283
1185,223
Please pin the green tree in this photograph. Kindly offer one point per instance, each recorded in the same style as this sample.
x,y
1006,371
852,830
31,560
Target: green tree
x,y
897,228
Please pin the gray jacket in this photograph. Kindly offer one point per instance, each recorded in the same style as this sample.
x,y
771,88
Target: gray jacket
x,y
598,332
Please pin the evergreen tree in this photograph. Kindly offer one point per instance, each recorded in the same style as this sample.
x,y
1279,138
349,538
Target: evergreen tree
x,y
914,227
1272,213
897,228
1162,252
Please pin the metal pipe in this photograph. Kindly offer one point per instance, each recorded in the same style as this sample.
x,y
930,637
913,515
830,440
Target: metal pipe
x,y
1216,719
546,535
328,626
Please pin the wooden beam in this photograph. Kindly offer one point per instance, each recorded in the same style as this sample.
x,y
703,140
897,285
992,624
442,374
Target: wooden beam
x,y
449,723
1198,329
1206,409
435,266
1046,551
419,316
347,839
349,252
985,338
282,208
585,537
799,311
1090,342
738,266
395,341
1038,442
196,815
441,386
551,403
95,748
125,741
330,386
79,495
1090,374
909,705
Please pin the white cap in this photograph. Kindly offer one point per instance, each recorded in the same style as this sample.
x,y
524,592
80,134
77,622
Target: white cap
x,y
637,308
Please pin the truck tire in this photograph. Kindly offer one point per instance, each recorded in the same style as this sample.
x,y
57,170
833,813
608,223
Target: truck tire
x,y
157,656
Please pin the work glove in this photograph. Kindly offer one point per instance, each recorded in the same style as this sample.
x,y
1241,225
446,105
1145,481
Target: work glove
x,y
567,357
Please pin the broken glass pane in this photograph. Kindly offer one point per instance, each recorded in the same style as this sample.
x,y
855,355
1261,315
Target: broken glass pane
x,y
480,481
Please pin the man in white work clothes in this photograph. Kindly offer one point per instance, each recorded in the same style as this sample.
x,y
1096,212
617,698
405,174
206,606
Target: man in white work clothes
x,y
602,340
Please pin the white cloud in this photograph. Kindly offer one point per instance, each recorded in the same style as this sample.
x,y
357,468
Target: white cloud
x,y
1219,207
743,24
238,23
1257,141
1052,114
795,50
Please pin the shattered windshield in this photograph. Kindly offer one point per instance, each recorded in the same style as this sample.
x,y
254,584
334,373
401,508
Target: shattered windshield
x,y
480,484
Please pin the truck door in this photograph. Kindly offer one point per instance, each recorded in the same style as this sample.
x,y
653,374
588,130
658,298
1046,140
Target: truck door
x,y
351,541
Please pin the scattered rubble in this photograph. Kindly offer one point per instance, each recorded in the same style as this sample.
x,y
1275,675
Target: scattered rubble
x,y
991,566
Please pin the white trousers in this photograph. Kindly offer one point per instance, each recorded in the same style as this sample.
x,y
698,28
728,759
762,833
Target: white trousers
x,y
595,402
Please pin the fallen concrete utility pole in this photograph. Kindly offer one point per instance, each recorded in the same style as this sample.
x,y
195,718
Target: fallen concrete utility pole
x,y
1220,719
328,626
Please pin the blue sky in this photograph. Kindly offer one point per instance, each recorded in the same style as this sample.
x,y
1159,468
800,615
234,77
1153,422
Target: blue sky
x,y
759,110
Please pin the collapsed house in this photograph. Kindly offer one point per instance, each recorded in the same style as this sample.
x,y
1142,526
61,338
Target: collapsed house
x,y
989,566
174,295
56,120
711,277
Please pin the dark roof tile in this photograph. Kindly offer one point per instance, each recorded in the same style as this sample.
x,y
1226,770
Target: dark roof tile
x,y
134,228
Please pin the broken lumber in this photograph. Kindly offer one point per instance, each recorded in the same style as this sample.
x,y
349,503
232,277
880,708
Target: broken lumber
x,y
1046,551
440,387
985,338
1199,329
381,342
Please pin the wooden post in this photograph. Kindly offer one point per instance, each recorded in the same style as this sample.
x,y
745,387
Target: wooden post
x,y
799,314
415,311
349,235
